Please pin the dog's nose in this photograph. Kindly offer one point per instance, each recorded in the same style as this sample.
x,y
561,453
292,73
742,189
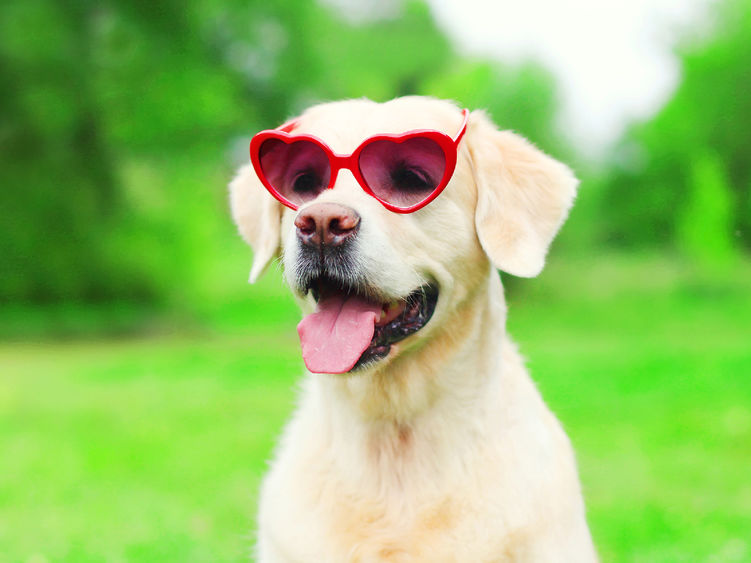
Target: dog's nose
x,y
326,223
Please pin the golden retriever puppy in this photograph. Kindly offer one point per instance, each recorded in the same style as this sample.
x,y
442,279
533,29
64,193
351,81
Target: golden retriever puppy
x,y
419,435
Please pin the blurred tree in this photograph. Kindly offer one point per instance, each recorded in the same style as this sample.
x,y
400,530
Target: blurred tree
x,y
58,184
384,58
652,187
703,225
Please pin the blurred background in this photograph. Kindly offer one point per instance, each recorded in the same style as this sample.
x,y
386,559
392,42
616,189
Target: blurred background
x,y
143,382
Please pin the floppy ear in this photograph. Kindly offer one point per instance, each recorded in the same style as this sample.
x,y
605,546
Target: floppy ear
x,y
258,217
523,197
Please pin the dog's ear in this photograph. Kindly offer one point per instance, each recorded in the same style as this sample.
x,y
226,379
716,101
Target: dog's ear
x,y
523,197
258,218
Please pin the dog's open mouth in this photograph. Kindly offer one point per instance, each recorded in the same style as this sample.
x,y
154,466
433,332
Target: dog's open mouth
x,y
351,329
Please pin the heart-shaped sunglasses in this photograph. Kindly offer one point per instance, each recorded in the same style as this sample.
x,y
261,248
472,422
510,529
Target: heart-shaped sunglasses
x,y
404,172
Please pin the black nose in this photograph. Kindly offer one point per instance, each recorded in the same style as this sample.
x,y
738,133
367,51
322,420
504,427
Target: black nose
x,y
328,224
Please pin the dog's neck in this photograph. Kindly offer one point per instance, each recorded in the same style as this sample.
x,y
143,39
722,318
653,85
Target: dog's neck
x,y
419,403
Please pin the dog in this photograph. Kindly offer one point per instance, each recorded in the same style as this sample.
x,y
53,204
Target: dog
x,y
419,435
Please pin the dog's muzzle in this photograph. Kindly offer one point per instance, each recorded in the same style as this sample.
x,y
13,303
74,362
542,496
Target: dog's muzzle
x,y
354,324
327,234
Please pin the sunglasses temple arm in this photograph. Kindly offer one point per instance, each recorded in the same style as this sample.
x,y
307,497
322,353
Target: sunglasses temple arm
x,y
288,127
463,129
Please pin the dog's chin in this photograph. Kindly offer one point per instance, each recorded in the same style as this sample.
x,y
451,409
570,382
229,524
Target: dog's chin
x,y
399,318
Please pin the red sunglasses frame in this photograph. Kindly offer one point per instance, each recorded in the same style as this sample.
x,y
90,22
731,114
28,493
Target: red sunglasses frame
x,y
449,145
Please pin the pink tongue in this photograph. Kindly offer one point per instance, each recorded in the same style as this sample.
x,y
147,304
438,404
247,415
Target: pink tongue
x,y
335,336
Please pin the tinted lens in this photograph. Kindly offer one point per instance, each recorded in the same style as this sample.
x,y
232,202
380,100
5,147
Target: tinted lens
x,y
299,171
403,174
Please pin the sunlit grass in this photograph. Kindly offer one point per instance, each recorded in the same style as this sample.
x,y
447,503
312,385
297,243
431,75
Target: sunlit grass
x,y
648,365
152,448
147,450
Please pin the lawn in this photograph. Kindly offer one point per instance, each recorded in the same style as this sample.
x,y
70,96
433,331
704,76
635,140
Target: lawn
x,y
151,448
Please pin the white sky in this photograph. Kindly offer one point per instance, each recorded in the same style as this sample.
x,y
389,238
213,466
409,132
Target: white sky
x,y
612,58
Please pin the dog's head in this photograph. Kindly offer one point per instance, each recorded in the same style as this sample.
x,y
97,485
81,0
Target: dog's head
x,y
373,283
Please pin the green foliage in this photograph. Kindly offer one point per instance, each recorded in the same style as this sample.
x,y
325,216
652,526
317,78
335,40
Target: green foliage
x,y
92,86
653,168
381,59
704,225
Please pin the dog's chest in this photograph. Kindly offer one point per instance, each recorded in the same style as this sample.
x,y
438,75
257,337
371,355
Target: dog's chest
x,y
363,530
396,512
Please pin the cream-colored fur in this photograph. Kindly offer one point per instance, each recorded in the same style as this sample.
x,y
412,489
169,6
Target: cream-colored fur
x,y
443,451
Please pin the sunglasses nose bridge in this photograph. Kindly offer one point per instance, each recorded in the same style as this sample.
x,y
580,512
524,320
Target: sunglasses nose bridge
x,y
343,177
337,163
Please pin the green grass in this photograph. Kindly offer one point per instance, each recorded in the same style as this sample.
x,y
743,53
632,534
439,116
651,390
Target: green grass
x,y
648,365
152,448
